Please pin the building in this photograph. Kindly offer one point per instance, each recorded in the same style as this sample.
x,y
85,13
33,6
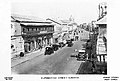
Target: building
x,y
102,9
35,33
17,42
102,33
62,27
102,20
102,25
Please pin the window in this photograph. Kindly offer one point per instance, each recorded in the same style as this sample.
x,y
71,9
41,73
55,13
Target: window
x,y
23,29
28,29
52,28
81,31
37,29
105,6
47,28
34,29
41,29
12,46
44,29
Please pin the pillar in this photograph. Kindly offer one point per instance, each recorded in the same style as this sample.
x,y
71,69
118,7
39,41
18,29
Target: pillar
x,y
51,40
46,41
35,44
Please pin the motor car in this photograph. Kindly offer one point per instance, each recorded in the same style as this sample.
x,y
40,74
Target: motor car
x,y
55,47
49,50
69,43
61,44
81,54
72,39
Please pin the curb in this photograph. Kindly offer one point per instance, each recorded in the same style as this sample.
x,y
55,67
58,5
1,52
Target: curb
x,y
26,58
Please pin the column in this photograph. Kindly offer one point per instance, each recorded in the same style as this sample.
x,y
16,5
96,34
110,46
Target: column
x,y
51,40
31,46
46,41
35,46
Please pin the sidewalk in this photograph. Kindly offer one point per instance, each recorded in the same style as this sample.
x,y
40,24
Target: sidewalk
x,y
86,67
27,57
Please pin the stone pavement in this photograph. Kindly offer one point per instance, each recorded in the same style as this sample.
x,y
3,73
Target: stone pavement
x,y
27,57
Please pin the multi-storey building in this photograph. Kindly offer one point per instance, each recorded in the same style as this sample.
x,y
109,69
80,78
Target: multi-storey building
x,y
102,20
37,35
102,9
17,42
33,34
63,29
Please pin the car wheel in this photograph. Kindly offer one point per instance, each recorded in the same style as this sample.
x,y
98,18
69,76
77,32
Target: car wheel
x,y
21,54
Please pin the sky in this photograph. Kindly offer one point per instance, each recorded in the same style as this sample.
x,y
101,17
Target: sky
x,y
83,11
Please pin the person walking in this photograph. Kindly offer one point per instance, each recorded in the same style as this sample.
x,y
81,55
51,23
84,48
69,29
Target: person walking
x,y
105,42
88,50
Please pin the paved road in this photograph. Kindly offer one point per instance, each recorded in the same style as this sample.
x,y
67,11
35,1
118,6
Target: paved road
x,y
58,63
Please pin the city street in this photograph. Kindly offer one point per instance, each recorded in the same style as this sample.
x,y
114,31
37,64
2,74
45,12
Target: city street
x,y
69,43
58,63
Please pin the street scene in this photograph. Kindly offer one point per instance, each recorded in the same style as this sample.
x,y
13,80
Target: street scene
x,y
55,44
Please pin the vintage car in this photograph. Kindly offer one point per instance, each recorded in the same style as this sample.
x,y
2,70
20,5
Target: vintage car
x,y
55,47
61,44
72,39
49,50
81,54
69,43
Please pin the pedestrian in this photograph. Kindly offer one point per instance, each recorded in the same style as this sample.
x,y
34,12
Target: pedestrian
x,y
88,50
105,42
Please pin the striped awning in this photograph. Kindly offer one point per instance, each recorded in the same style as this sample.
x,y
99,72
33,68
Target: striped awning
x,y
102,21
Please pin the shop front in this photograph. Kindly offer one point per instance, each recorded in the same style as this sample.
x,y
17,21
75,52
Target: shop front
x,y
29,45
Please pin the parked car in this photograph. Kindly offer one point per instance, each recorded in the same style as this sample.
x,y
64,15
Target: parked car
x,y
61,44
72,39
49,50
69,42
55,47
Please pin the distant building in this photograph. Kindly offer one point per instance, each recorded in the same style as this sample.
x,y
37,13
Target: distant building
x,y
62,27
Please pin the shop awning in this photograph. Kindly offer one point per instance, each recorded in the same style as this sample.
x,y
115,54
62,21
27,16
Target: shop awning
x,y
102,20
35,24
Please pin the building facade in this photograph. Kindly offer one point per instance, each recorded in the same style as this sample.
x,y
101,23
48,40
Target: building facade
x,y
17,42
63,29
30,35
102,20
37,35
